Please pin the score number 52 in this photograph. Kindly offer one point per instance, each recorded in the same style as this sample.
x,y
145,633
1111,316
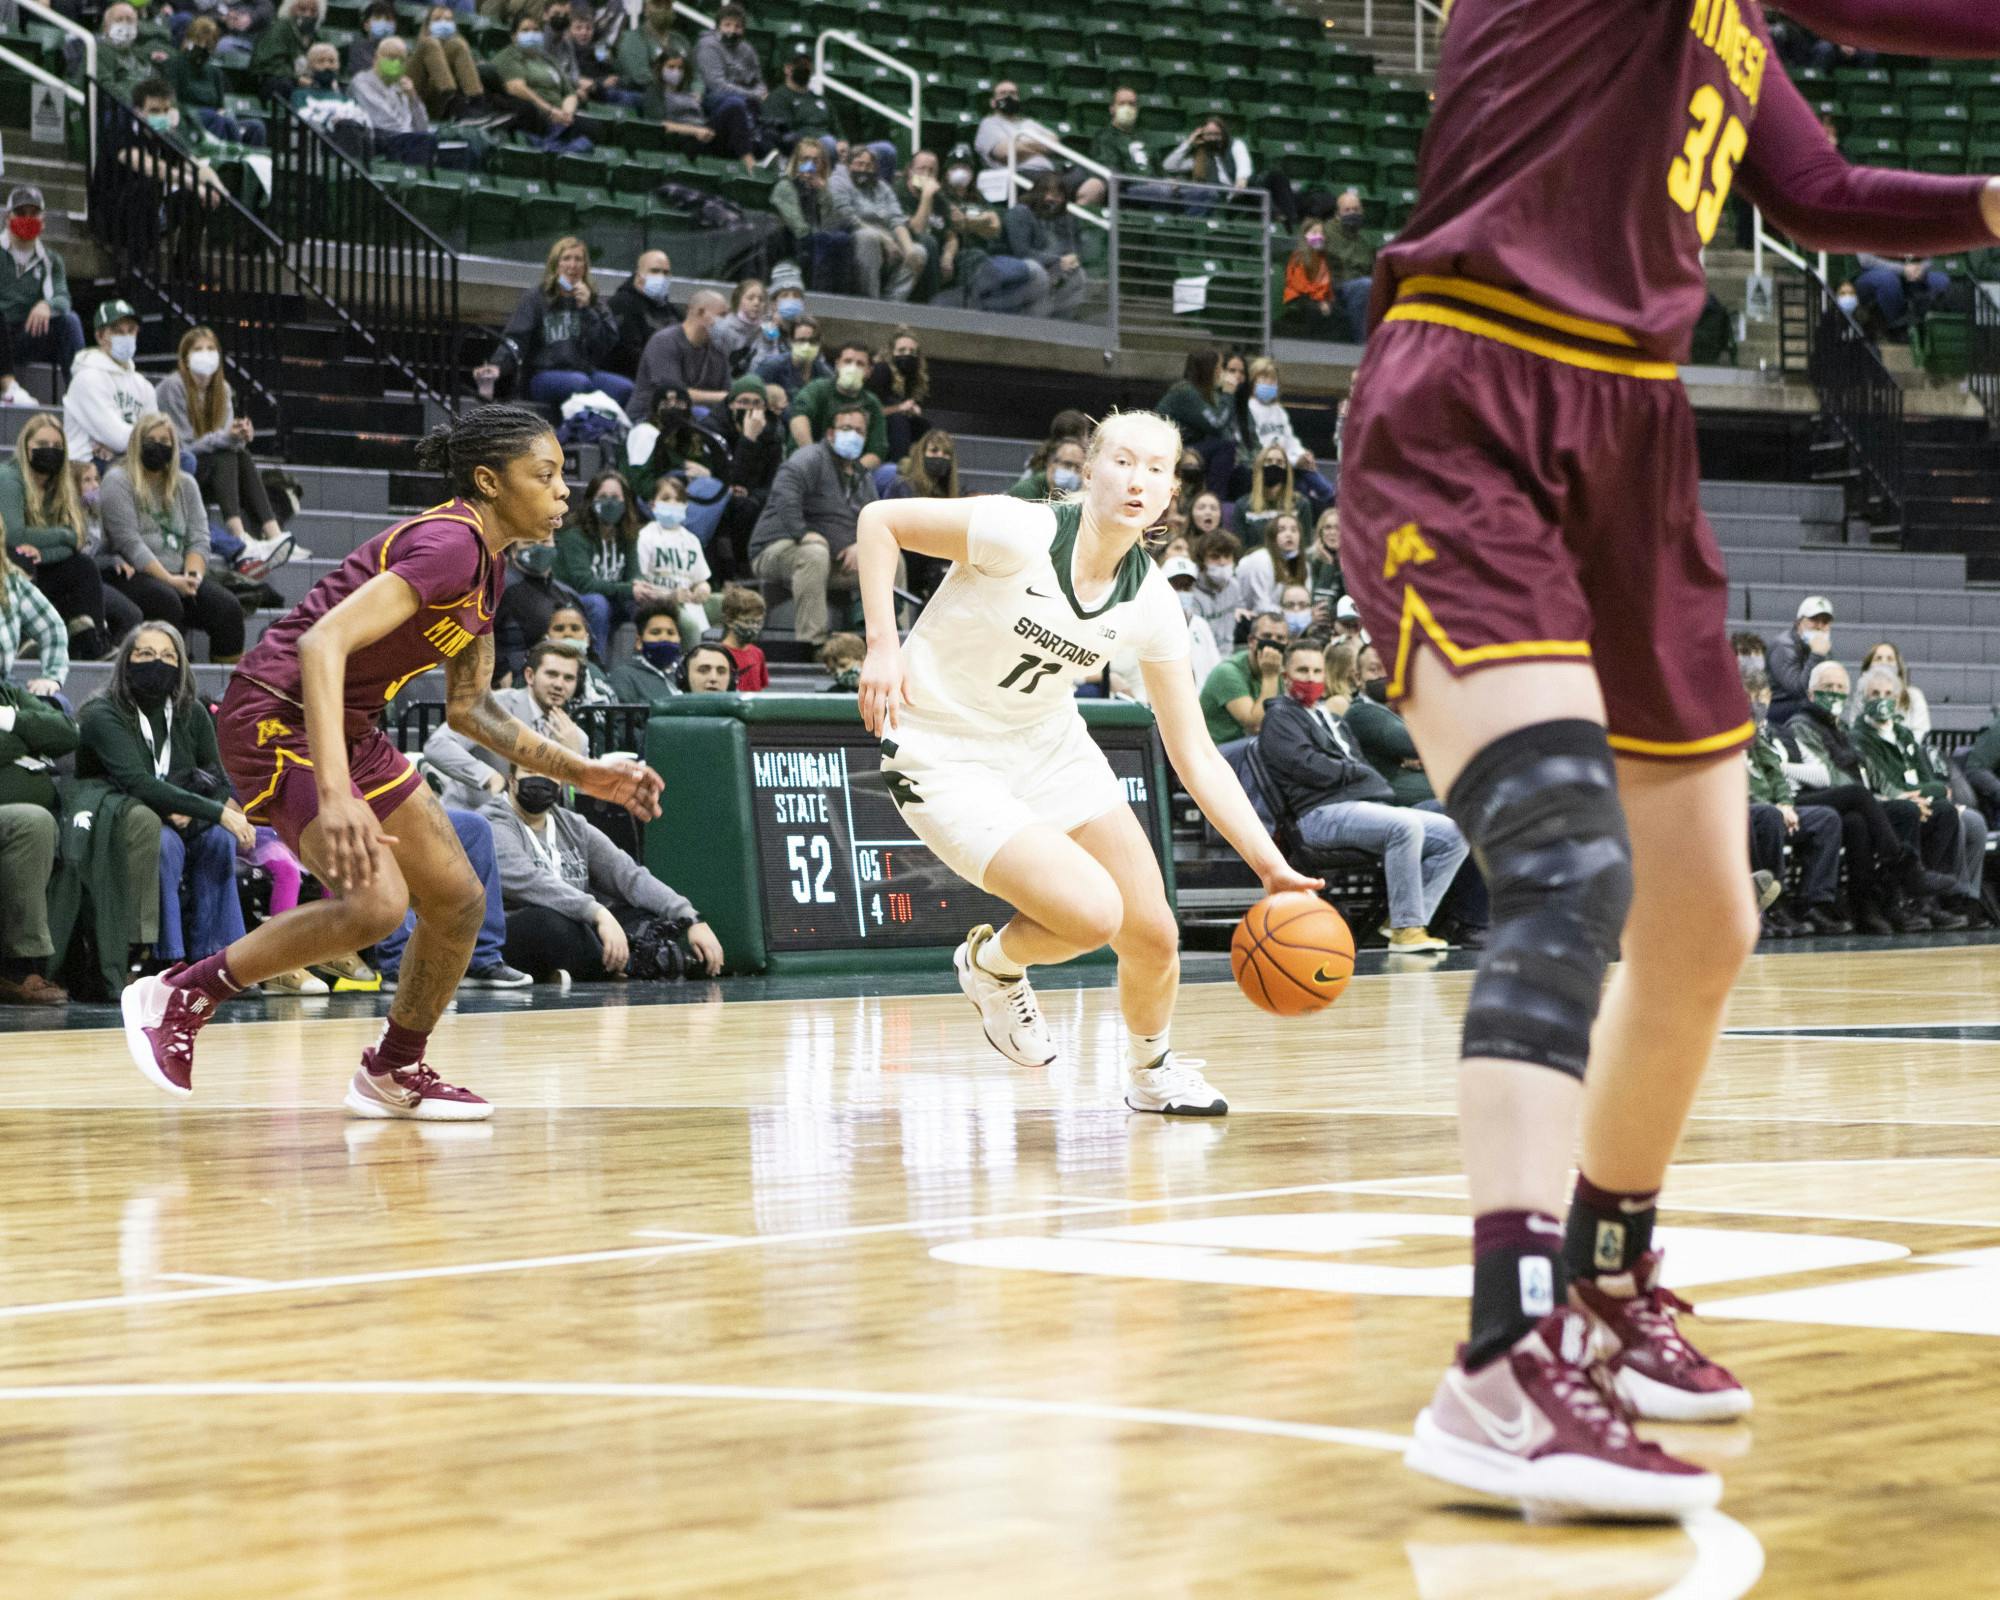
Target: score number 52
x,y
811,862
1697,182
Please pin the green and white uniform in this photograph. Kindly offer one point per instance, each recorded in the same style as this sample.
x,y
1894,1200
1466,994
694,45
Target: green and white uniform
x,y
991,741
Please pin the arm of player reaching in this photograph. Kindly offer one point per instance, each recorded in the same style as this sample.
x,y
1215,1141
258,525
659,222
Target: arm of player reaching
x,y
471,709
1904,27
1209,778
885,530
1807,188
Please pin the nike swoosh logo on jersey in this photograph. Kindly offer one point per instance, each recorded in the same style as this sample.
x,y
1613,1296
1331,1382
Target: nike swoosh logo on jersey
x,y
1632,1208
1508,1433
1543,1225
1038,593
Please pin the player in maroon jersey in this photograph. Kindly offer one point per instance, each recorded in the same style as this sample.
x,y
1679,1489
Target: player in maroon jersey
x,y
1524,538
299,739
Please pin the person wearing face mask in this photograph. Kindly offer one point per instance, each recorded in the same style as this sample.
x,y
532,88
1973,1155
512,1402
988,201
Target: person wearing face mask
x,y
37,319
1307,312
901,380
561,335
643,306
53,538
1039,228
1350,256
1204,654
544,97
275,60
150,737
733,85
813,407
673,99
129,51
1266,423
1205,408
597,556
396,114
532,596
802,201
106,393
569,631
1220,595
1068,428
805,538
840,658
156,526
740,334
197,82
197,398
1778,814
974,269
378,22
472,773
1006,137
928,471
576,903
1913,709
888,258
1118,144
671,560
1272,494
1791,660
649,676
642,43
1234,694
794,111
445,75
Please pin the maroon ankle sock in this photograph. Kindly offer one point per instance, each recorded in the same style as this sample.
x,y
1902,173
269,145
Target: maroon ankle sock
x,y
400,1048
209,976
1517,1279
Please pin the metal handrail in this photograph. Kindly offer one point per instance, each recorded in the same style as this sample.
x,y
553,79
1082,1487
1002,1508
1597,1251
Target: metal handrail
x,y
88,95
913,121
1858,394
1101,220
1762,239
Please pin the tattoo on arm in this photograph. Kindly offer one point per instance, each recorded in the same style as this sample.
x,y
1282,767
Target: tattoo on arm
x,y
471,709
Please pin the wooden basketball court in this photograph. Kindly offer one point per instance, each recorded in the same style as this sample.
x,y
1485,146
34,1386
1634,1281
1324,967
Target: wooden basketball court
x,y
814,1295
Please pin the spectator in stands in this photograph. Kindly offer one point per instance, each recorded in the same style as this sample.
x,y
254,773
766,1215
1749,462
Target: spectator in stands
x,y
26,614
574,47
651,674
929,215
1060,471
1775,816
321,101
1210,154
154,523
1219,594
709,669
1205,515
1039,228
1295,601
166,194
1350,255
841,657
643,306
396,112
531,597
442,69
1340,802
1982,772
472,773
640,47
740,334
684,357
597,554
378,22
743,615
149,736
34,735
1323,574
794,111
1117,145
51,538
756,446
242,22
1265,422
1913,710
575,901
1277,562
1204,409
901,380
569,631
544,98
670,444
278,59
805,538
969,272
197,399
37,319
671,561
106,393
1272,494
733,84
815,407
804,204
1204,654
1900,288
198,85
888,259
1900,766
928,470
128,51
1309,289
673,99
1234,694
1791,660
561,337
1752,654
1005,133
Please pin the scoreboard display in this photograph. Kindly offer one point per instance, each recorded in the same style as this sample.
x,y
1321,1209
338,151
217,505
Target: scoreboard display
x,y
791,847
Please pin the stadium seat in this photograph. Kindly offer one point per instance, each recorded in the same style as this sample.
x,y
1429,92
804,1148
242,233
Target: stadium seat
x,y
1941,344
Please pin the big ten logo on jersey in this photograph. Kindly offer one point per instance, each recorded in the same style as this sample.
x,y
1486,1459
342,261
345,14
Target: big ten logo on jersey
x,y
446,637
1701,175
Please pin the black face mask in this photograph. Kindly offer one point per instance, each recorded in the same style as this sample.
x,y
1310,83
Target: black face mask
x,y
536,795
672,419
938,467
1377,689
799,76
151,683
662,653
1274,477
198,55
537,560
325,78
47,459
908,365
1008,105
155,455
558,23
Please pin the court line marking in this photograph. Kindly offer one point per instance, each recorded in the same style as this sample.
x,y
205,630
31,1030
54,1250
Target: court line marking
x,y
1728,1559
670,1233
207,1277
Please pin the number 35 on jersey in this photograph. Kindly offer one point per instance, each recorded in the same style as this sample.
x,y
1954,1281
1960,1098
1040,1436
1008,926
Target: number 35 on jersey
x,y
1700,177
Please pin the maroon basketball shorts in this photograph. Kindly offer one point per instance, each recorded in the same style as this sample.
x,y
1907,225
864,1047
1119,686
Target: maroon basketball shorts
x,y
264,751
1503,506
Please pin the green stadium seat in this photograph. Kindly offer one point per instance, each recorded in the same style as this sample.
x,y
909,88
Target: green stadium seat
x,y
545,214
519,157
1875,152
1341,92
1396,169
1391,130
1347,166
1862,78
597,170
438,201
613,226
1935,155
1875,119
1400,95
492,213
1941,344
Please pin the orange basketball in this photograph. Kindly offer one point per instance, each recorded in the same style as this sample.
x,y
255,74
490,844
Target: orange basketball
x,y
1292,953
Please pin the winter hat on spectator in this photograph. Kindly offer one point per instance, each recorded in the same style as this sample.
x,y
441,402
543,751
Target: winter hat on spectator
x,y
749,383
1815,605
786,275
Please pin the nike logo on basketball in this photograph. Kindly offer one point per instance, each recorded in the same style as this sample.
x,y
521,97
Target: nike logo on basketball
x,y
1323,976
1509,1433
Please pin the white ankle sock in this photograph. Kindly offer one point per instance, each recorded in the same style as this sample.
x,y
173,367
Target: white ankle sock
x,y
1143,1049
993,961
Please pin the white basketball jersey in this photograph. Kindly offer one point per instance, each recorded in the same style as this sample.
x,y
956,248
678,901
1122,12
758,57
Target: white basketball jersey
x,y
1004,640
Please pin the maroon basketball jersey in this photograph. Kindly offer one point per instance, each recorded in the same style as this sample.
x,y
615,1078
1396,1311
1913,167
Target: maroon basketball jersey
x,y
442,556
1579,155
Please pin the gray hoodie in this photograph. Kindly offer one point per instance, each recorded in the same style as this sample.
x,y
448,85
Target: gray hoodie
x,y
589,871
104,399
141,535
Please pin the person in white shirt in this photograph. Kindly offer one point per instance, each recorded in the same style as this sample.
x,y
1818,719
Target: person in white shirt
x,y
1005,130
1277,561
671,558
989,761
1271,424
106,393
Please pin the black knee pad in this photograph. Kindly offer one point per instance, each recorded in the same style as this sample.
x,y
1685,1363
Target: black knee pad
x,y
1540,809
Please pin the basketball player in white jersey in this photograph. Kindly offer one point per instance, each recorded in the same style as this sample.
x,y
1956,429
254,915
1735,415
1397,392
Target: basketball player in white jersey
x,y
991,765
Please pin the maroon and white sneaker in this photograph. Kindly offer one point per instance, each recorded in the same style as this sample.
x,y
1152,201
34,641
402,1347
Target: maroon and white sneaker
x,y
1657,1373
413,1092
160,1024
1541,1426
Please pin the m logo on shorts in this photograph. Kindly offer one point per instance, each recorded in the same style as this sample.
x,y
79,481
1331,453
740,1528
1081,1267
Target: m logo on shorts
x,y
1406,549
271,728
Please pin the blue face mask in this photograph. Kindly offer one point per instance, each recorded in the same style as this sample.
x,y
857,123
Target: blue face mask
x,y
662,653
808,168
1065,480
531,39
443,29
656,286
381,28
670,513
847,444
790,310
1266,392
565,283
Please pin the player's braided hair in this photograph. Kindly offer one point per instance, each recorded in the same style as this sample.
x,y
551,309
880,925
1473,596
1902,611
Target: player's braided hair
x,y
485,436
